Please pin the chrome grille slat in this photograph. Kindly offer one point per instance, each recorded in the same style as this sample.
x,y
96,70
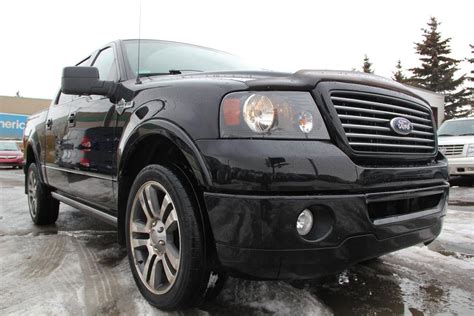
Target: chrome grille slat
x,y
387,97
422,126
382,105
371,127
389,145
422,133
400,138
381,128
394,114
365,119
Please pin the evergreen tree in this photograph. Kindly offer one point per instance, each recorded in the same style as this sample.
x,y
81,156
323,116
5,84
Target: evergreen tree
x,y
471,61
398,73
471,79
367,65
437,70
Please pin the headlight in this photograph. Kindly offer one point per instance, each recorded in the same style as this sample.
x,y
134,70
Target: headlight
x,y
276,114
259,113
470,150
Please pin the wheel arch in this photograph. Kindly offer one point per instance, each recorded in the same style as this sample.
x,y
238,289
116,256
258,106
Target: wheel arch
x,y
161,142
31,156
175,135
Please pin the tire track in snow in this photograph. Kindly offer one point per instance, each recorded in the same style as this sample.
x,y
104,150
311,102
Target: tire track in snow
x,y
47,260
100,284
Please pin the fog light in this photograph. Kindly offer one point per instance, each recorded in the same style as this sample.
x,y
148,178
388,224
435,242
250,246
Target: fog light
x,y
304,223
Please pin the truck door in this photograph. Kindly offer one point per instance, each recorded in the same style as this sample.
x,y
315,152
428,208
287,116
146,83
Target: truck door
x,y
58,148
91,131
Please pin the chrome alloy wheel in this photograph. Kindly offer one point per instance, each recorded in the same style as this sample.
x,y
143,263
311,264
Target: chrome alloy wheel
x,y
155,237
32,188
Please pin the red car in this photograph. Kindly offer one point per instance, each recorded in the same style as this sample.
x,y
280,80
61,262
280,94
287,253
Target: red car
x,y
10,154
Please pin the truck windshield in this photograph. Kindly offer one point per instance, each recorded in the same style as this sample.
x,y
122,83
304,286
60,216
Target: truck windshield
x,y
457,128
161,57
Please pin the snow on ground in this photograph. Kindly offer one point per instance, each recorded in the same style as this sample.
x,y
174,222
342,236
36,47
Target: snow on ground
x,y
76,268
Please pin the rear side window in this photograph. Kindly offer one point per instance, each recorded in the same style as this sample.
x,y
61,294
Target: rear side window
x,y
105,63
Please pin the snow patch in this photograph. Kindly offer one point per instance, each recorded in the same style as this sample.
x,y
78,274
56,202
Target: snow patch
x,y
275,297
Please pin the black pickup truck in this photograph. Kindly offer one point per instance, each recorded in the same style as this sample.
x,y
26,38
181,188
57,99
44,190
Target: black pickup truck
x,y
210,167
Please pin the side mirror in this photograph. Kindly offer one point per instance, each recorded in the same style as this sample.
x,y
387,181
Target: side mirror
x,y
85,81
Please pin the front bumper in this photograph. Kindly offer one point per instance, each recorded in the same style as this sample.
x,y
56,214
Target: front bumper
x,y
463,166
256,236
259,187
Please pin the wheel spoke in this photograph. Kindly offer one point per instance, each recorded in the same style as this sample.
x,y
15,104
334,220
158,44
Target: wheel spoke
x,y
153,278
152,199
172,218
173,255
164,205
148,267
146,210
169,275
139,242
139,228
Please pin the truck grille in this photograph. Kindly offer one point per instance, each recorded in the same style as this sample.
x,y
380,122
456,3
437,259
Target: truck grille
x,y
451,150
366,118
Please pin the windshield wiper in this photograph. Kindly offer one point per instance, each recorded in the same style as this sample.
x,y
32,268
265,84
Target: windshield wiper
x,y
445,135
466,134
170,72
180,71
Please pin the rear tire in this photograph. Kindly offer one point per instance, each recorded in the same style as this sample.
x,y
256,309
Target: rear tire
x,y
44,209
165,241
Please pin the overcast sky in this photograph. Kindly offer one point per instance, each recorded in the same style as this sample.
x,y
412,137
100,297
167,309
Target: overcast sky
x,y
40,37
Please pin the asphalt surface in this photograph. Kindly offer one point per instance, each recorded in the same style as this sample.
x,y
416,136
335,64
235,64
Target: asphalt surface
x,y
75,267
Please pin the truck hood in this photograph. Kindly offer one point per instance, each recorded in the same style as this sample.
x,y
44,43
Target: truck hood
x,y
456,140
300,80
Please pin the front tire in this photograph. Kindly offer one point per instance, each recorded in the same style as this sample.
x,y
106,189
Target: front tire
x,y
44,209
165,241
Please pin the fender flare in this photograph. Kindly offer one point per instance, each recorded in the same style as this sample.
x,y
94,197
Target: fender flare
x,y
173,133
35,147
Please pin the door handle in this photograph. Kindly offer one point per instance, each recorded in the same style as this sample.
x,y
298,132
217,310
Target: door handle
x,y
71,120
49,123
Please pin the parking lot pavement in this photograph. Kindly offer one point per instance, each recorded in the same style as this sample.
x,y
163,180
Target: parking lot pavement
x,y
76,267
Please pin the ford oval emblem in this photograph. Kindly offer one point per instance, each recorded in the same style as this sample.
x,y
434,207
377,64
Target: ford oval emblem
x,y
401,126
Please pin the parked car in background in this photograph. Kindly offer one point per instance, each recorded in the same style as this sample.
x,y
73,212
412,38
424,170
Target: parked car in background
x,y
10,154
456,142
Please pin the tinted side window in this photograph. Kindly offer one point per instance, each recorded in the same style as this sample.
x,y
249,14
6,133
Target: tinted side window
x,y
105,62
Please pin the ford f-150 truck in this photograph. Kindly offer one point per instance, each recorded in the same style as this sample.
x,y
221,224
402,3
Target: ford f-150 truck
x,y
210,167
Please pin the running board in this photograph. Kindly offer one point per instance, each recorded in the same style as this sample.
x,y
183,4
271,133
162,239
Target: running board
x,y
109,219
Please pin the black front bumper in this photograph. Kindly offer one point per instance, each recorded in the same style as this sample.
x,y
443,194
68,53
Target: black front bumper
x,y
259,187
256,236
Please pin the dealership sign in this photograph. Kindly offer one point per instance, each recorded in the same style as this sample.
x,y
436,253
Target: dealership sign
x,y
12,125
